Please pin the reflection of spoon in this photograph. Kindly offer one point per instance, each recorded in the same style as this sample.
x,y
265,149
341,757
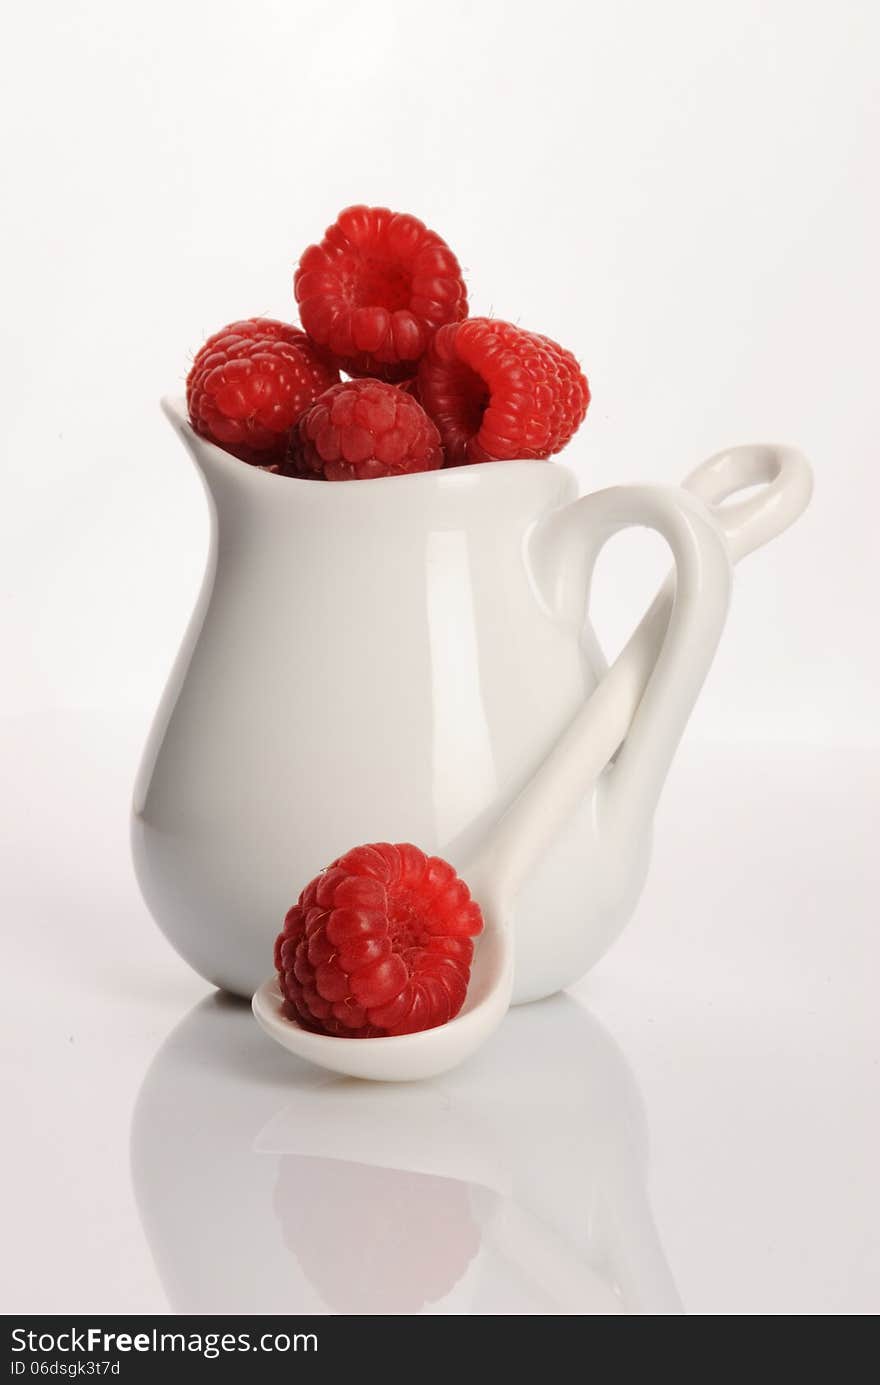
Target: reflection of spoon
x,y
513,1185
586,747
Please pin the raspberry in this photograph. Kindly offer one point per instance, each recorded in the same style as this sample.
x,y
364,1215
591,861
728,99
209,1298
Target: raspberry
x,y
249,384
498,393
379,943
376,289
410,387
363,429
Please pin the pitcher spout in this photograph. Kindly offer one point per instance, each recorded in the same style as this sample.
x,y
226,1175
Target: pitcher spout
x,y
226,479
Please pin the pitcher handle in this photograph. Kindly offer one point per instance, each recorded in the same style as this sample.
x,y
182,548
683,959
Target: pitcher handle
x,y
660,672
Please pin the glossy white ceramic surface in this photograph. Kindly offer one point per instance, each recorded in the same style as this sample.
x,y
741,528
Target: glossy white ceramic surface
x,y
624,703
406,660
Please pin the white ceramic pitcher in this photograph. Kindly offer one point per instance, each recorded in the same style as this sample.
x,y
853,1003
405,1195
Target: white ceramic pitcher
x,y
394,660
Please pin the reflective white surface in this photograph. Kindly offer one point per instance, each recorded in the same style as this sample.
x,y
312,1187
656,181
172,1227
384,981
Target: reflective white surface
x,y
700,1119
264,1183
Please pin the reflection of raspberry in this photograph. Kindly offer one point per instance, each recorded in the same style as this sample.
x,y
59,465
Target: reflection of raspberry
x,y
497,392
249,384
376,289
375,1240
363,429
379,943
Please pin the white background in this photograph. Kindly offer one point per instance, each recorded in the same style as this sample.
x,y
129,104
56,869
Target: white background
x,y
684,195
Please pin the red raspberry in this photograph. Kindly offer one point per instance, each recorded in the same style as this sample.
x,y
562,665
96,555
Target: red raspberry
x,y
249,384
376,289
362,429
410,387
498,393
379,943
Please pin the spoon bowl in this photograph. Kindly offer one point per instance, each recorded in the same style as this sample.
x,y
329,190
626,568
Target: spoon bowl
x,y
410,1056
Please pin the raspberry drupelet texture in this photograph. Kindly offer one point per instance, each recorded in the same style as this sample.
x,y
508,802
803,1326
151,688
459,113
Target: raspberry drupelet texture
x,y
380,943
249,384
376,289
499,393
364,429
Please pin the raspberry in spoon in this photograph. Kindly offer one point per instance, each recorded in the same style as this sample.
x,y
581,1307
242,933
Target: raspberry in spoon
x,y
380,943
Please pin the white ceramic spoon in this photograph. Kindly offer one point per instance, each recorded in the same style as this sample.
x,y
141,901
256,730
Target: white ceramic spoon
x,y
579,757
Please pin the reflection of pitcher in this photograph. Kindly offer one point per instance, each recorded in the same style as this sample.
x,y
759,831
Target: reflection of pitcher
x,y
325,1194
394,660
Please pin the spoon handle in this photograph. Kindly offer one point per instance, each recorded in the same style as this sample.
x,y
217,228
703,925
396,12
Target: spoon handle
x,y
786,480
650,689
781,482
